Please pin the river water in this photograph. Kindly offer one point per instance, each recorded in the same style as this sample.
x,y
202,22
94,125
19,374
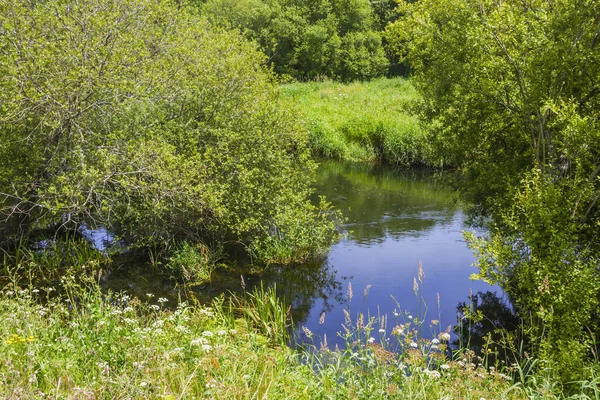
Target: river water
x,y
396,219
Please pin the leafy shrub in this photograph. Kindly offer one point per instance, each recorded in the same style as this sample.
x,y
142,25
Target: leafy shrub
x,y
143,118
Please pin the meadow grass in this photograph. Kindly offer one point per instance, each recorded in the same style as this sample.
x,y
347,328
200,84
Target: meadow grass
x,y
363,121
70,340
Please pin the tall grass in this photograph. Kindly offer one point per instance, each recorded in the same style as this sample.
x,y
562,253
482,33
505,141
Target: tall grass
x,y
72,340
363,121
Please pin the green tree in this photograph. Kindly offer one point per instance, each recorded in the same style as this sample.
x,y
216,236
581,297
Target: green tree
x,y
511,96
138,116
308,39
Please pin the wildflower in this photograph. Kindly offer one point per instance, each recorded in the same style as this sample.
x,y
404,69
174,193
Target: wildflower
x,y
434,322
410,317
35,291
505,377
206,347
435,341
127,309
221,332
198,342
382,330
14,339
143,384
150,295
432,374
396,313
397,330
232,331
162,300
154,307
434,347
445,366
444,336
207,334
414,345
371,339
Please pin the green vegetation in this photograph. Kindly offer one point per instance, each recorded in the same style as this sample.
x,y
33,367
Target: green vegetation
x,y
71,340
510,94
363,121
308,39
146,120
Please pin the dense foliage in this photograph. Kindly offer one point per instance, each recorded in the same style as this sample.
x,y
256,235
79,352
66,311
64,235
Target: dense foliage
x,y
511,93
140,117
309,39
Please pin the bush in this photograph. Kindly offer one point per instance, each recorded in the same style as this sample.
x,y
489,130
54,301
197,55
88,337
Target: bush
x,y
140,117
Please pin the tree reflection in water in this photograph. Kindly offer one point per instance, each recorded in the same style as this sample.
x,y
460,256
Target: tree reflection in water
x,y
488,325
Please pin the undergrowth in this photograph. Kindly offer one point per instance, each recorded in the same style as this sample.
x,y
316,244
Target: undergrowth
x,y
73,340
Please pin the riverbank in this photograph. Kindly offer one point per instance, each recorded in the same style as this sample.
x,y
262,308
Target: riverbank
x,y
86,344
363,121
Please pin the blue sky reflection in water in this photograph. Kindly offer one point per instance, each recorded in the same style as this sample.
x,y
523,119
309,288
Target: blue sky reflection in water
x,y
396,218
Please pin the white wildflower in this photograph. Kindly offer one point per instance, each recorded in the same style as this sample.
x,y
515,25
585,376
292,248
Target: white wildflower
x,y
414,345
162,300
433,374
221,332
207,334
198,342
371,339
435,341
206,347
154,307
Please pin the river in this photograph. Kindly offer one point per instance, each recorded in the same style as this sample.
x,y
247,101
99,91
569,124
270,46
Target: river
x,y
395,219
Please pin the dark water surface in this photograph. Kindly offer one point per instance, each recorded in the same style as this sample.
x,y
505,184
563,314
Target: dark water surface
x,y
395,219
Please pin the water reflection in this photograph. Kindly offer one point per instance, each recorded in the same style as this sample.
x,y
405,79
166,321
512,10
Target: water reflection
x,y
395,218
488,318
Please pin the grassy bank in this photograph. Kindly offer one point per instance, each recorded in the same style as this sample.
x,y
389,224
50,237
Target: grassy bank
x,y
71,340
363,121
